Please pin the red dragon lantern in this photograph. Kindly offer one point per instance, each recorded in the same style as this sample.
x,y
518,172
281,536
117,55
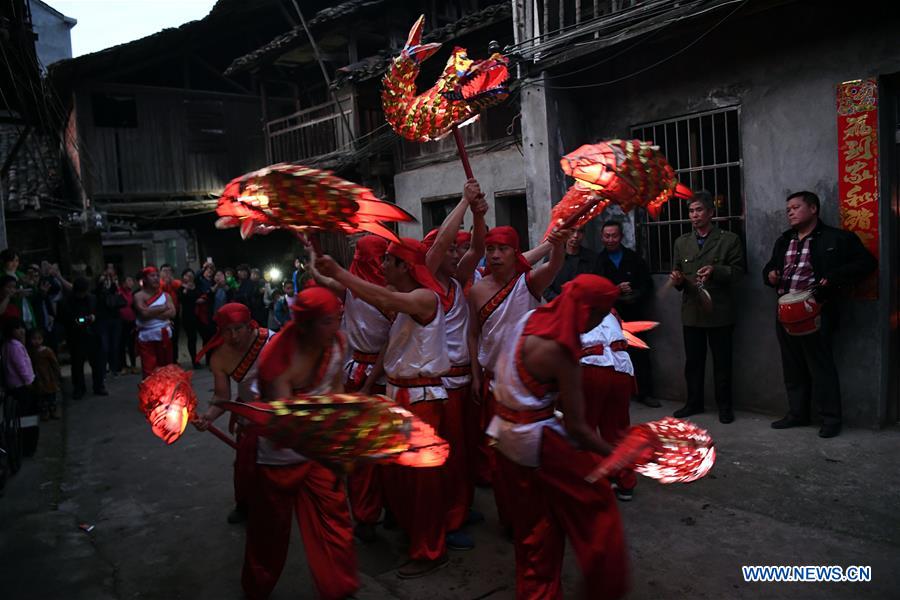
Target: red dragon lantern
x,y
670,450
303,200
340,429
629,173
465,88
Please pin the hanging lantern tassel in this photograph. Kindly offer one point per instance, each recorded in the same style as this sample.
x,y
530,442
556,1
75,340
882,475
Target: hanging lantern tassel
x,y
669,450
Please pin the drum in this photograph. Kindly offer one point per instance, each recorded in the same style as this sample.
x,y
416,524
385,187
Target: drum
x,y
799,313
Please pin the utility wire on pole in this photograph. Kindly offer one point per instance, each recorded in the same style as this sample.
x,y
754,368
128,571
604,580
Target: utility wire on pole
x,y
318,55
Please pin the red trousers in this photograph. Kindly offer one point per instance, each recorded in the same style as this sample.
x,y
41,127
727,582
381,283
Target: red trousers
x,y
416,494
483,462
607,397
312,492
460,491
364,486
554,502
154,354
245,467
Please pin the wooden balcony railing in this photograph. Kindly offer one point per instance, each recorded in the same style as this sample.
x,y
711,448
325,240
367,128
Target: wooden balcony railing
x,y
311,132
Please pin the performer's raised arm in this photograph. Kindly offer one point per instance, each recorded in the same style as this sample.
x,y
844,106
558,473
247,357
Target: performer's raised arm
x,y
469,261
326,282
542,276
420,303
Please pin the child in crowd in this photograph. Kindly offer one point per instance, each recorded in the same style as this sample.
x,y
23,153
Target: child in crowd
x,y
46,374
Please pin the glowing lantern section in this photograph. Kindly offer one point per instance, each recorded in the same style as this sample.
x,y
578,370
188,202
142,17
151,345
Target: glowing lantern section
x,y
670,450
168,401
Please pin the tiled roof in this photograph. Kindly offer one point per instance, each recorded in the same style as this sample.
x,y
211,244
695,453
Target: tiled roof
x,y
34,174
297,36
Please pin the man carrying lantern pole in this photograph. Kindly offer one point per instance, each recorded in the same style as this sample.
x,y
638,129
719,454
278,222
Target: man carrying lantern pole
x,y
155,310
236,349
509,289
545,460
306,357
414,361
366,328
451,268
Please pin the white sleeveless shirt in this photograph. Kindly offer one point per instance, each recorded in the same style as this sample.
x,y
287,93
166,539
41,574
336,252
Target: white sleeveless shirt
x,y
415,350
366,328
457,329
269,453
499,317
151,330
519,442
608,331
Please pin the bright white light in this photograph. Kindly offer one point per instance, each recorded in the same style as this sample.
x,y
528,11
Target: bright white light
x,y
274,274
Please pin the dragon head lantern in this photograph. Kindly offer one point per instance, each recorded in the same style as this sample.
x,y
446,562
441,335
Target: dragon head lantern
x,y
168,401
464,89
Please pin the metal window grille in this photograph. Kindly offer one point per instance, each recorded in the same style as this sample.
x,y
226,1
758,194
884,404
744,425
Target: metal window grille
x,y
705,151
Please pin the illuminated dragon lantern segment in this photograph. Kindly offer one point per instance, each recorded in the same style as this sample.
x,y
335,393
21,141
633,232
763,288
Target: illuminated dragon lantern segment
x,y
629,173
465,88
341,429
669,450
168,401
303,200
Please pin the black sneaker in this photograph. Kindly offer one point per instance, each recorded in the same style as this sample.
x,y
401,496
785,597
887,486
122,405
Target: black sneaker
x,y
419,568
788,422
624,495
686,411
726,415
101,392
830,431
649,401
460,540
237,515
364,532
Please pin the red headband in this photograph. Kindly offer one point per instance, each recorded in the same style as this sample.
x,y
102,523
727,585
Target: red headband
x,y
310,304
412,252
148,270
429,239
232,313
507,236
463,237
565,317
367,259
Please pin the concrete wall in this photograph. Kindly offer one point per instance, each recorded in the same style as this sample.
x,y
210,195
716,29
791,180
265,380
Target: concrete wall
x,y
500,171
54,33
785,84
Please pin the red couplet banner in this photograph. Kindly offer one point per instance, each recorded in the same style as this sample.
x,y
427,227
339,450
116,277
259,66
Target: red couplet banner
x,y
857,117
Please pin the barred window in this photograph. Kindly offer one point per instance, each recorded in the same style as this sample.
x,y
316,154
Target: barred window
x,y
705,151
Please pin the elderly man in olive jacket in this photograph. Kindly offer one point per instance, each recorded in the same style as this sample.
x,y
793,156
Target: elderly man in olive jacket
x,y
707,261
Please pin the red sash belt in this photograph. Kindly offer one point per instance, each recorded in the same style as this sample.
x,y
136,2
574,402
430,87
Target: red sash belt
x,y
597,349
416,382
364,357
459,371
523,417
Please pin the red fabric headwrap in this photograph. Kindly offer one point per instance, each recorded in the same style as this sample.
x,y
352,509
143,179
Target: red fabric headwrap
x,y
564,318
148,269
412,252
429,239
229,314
507,236
463,237
368,257
310,304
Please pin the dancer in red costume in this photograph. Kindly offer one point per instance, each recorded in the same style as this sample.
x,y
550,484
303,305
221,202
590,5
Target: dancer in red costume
x,y
236,349
509,289
608,383
451,268
155,310
306,357
544,460
366,328
415,359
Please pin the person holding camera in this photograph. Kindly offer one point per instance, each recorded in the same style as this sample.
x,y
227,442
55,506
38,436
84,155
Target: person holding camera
x,y
109,323
78,313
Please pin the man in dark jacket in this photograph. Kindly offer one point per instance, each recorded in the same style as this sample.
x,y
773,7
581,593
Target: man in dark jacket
x,y
578,260
78,313
810,255
624,267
